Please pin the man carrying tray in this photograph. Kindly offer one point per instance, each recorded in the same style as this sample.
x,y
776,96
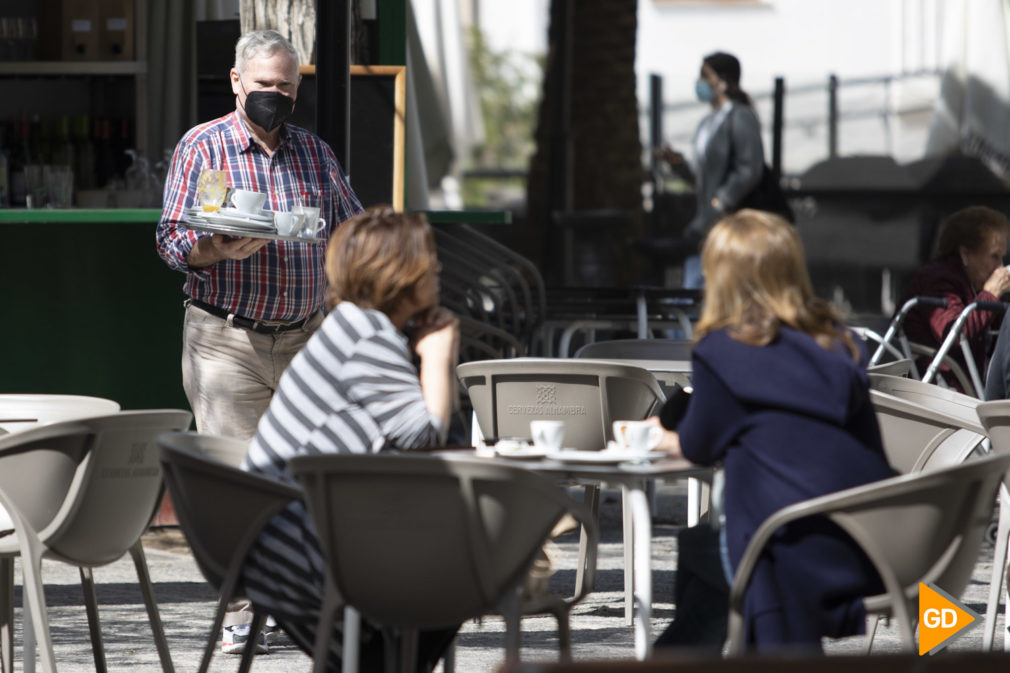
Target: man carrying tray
x,y
253,302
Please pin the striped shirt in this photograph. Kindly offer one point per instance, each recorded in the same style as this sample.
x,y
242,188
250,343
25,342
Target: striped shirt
x,y
283,280
352,389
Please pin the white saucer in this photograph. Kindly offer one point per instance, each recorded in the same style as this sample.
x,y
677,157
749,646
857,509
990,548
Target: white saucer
x,y
267,215
604,457
614,446
263,218
239,222
522,453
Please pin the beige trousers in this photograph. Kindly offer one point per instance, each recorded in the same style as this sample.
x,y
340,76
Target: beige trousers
x,y
229,375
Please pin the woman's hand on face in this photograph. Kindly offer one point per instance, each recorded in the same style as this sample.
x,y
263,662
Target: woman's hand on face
x,y
670,443
998,282
436,334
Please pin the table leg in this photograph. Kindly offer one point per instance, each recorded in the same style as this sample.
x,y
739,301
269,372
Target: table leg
x,y
352,640
628,536
642,537
693,502
642,313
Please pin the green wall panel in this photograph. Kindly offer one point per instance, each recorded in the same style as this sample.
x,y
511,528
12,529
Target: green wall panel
x,y
90,309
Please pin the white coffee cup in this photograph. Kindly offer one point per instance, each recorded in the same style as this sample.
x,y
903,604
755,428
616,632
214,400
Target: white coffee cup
x,y
288,224
248,202
312,224
548,435
637,436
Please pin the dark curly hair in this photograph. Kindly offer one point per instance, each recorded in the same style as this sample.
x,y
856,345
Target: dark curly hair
x,y
969,227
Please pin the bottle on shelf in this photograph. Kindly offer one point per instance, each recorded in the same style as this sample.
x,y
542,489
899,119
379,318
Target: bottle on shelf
x,y
17,161
4,167
39,145
85,154
63,148
123,159
105,161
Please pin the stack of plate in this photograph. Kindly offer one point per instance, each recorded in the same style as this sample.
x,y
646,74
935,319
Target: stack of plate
x,y
232,221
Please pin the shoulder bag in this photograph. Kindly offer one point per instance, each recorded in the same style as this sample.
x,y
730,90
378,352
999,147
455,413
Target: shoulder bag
x,y
767,195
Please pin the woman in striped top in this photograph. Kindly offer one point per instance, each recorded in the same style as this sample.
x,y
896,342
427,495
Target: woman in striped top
x,y
354,389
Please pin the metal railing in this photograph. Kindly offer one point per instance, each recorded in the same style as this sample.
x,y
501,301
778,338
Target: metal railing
x,y
782,97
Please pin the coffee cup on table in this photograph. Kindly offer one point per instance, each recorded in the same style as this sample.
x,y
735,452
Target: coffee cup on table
x,y
547,435
637,436
248,202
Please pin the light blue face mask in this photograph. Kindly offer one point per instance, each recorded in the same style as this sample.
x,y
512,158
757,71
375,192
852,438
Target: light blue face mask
x,y
703,90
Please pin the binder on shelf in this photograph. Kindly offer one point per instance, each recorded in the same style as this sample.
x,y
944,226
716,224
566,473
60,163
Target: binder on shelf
x,y
115,30
68,30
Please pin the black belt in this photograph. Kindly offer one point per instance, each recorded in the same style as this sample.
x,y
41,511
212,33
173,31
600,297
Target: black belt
x,y
247,323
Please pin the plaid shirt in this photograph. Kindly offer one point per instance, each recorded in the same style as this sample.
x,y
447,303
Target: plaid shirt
x,y
283,280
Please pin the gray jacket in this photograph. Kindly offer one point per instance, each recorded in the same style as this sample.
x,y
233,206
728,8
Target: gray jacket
x,y
731,169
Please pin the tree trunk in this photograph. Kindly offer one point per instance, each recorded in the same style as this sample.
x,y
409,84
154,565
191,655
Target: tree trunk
x,y
588,131
294,19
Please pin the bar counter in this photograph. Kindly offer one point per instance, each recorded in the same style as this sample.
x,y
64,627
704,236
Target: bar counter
x,y
88,307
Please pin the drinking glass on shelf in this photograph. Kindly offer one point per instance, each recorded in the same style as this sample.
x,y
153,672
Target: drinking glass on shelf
x,y
212,188
35,186
59,184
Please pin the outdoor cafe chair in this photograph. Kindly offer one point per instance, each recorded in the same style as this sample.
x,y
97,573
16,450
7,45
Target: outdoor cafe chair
x,y
922,527
590,394
924,427
587,394
490,280
22,411
221,511
901,368
481,341
85,505
488,263
917,418
637,349
418,542
669,360
995,417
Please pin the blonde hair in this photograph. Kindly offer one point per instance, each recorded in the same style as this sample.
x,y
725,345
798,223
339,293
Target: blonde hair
x,y
376,258
756,281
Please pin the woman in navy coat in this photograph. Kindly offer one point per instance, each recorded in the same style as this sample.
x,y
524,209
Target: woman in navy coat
x,y
780,398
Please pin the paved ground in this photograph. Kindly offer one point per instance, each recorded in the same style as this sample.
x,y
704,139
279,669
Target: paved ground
x,y
187,605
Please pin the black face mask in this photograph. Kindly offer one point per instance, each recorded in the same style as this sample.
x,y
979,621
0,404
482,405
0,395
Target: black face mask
x,y
268,109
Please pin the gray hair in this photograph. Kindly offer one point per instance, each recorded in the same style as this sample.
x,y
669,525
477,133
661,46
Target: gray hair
x,y
257,42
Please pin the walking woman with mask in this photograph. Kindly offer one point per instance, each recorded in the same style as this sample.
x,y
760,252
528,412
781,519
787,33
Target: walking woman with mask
x,y
728,153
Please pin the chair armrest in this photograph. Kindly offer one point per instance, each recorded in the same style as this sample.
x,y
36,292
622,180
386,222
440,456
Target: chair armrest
x,y
833,506
53,454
